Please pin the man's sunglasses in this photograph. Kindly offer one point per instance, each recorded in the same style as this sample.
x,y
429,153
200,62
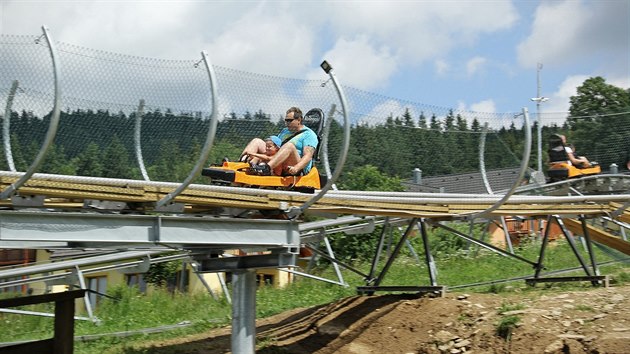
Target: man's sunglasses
x,y
289,120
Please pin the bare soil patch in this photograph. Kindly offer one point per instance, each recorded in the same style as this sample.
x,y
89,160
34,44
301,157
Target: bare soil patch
x,y
594,320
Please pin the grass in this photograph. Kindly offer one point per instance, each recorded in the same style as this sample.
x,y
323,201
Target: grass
x,y
507,307
136,311
506,326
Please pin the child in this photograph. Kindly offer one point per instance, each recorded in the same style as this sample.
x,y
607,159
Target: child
x,y
272,145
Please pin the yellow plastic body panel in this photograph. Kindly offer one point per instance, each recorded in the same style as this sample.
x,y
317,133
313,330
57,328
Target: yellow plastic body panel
x,y
242,177
573,171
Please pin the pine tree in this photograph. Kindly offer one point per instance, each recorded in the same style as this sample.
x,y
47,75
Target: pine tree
x,y
89,162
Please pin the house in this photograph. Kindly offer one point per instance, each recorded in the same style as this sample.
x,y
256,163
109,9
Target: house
x,y
43,271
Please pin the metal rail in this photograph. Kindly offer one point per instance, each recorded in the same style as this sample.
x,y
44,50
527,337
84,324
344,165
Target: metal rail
x,y
52,127
137,140
6,126
293,213
524,163
205,151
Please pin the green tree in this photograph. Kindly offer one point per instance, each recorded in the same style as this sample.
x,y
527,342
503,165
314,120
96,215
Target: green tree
x,y
368,178
600,116
596,97
57,162
408,119
116,163
89,161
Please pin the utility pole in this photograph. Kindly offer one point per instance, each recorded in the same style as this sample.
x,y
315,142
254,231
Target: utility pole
x,y
539,99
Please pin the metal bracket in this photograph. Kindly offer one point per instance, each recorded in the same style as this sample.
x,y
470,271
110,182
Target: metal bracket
x,y
141,267
103,204
280,260
421,290
30,201
171,208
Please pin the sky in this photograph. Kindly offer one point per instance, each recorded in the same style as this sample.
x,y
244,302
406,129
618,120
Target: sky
x,y
473,55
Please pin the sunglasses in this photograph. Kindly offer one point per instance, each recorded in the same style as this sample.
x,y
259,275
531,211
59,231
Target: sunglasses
x,y
289,120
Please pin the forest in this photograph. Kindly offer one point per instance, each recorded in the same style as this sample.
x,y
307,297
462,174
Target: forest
x,y
101,143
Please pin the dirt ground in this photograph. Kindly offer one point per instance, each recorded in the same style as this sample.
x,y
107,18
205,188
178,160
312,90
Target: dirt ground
x,y
593,320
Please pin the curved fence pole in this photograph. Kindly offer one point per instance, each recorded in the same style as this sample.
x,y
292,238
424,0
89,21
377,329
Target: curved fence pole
x,y
6,126
52,127
205,151
294,212
137,143
482,160
325,161
521,173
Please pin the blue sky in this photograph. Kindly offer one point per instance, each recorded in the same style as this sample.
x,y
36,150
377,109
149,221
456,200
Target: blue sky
x,y
471,55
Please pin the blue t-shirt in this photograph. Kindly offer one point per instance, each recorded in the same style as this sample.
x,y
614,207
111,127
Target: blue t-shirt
x,y
306,138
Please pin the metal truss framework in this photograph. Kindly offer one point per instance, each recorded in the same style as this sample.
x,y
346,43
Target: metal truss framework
x,y
374,278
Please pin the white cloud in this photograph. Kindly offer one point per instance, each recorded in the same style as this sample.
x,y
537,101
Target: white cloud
x,y
260,42
591,34
363,66
622,81
261,37
559,100
487,106
388,108
422,30
441,66
562,31
474,65
136,28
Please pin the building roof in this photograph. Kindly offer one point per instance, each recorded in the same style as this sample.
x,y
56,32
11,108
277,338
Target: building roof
x,y
470,183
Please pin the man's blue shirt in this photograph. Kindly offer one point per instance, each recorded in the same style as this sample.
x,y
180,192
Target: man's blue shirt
x,y
307,137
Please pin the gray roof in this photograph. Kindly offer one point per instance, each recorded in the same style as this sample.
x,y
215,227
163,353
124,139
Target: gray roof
x,y
471,183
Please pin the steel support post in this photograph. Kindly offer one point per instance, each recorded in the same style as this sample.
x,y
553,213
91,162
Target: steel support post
x,y
244,312
331,254
86,297
483,244
195,268
508,241
395,252
571,241
379,250
543,247
427,253
589,247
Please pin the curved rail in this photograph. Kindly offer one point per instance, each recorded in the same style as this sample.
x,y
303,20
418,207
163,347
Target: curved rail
x,y
137,143
521,173
52,127
205,152
482,160
324,148
6,126
294,212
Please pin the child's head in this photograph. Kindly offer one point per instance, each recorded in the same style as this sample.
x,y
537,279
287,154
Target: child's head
x,y
272,145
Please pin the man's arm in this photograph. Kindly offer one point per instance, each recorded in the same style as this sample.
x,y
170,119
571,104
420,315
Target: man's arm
x,y
582,161
309,151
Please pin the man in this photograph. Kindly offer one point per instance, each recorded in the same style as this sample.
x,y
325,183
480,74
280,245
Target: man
x,y
295,156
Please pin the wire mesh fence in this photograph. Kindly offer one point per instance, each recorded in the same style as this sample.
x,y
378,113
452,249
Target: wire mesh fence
x,y
116,107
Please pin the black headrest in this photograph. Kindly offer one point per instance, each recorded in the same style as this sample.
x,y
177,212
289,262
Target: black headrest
x,y
555,140
314,119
